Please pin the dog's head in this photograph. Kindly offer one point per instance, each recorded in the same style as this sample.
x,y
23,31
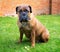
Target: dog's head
x,y
23,12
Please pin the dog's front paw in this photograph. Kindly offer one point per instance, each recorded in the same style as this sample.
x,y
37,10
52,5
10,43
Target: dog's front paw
x,y
18,42
33,45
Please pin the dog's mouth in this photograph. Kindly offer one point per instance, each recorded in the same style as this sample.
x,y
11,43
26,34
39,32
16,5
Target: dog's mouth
x,y
24,19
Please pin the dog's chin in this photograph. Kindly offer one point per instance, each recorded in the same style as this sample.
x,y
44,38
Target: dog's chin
x,y
24,20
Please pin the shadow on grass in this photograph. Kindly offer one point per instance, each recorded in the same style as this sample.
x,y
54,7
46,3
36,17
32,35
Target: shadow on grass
x,y
24,43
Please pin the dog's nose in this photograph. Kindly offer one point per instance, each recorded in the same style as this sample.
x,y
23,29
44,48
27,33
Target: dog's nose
x,y
23,14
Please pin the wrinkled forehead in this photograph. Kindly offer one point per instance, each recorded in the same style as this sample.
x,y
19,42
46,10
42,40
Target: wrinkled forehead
x,y
23,8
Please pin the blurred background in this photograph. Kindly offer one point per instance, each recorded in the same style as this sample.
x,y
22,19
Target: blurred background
x,y
40,7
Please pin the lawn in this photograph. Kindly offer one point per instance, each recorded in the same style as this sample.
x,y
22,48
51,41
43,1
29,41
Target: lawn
x,y
9,35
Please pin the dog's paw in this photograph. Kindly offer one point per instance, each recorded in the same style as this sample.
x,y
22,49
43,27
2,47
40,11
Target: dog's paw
x,y
33,45
18,42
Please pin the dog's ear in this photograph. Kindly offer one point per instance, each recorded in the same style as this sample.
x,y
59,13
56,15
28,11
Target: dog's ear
x,y
16,9
30,9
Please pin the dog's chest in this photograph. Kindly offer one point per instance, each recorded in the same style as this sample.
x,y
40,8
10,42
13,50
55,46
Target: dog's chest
x,y
26,26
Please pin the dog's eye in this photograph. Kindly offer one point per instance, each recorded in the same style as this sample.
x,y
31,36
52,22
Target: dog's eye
x,y
26,11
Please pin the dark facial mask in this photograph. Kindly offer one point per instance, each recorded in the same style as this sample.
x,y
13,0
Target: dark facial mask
x,y
24,17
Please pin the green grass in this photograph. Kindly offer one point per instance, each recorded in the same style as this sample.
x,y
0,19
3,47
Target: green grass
x,y
9,35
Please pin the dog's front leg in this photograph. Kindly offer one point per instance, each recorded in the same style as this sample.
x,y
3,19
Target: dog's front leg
x,y
33,38
21,35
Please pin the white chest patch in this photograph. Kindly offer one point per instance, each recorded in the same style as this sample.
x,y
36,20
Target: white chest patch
x,y
25,25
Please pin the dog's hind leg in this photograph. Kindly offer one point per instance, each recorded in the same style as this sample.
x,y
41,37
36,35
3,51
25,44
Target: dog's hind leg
x,y
45,36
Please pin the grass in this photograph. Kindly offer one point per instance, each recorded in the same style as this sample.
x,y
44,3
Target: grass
x,y
9,35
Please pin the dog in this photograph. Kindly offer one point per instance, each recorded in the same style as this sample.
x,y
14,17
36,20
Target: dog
x,y
30,26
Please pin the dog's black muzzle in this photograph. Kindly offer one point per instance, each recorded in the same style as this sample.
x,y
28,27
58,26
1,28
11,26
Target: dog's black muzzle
x,y
23,17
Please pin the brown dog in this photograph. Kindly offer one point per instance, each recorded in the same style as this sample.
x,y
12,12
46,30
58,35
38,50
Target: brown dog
x,y
30,26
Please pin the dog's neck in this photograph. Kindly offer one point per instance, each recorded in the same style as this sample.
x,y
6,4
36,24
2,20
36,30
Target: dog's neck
x,y
24,24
